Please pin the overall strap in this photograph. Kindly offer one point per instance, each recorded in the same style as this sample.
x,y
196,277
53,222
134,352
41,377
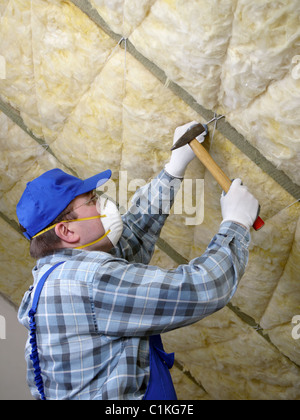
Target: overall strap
x,y
34,356
160,385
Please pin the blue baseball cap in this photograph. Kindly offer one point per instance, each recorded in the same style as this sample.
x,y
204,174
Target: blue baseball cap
x,y
49,195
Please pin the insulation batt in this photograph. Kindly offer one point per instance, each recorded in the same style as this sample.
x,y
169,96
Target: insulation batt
x,y
196,46
14,278
222,349
32,160
18,88
265,36
123,16
272,124
76,51
97,107
124,137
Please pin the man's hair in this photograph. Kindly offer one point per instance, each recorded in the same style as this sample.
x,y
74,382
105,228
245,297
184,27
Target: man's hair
x,y
48,242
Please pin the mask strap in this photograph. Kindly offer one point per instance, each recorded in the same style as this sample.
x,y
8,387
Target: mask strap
x,y
95,242
66,221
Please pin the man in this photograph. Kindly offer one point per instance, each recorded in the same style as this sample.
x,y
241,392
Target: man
x,y
100,313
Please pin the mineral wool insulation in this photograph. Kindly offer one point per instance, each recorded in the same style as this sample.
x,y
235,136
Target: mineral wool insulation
x,y
80,90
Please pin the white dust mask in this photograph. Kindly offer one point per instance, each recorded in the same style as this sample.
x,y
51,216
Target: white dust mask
x,y
112,222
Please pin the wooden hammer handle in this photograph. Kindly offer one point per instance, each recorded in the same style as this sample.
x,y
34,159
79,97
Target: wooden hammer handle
x,y
221,178
203,155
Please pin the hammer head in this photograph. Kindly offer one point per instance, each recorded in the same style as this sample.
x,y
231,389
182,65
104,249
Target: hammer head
x,y
190,135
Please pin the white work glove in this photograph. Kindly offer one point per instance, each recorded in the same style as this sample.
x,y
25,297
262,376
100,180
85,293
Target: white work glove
x,y
239,205
180,158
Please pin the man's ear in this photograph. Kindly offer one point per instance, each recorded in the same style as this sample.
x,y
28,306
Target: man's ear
x,y
63,231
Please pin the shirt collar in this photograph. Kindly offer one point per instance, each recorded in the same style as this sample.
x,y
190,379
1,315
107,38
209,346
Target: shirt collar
x,y
57,256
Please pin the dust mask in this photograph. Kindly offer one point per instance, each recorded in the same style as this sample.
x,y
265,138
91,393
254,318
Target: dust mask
x,y
112,222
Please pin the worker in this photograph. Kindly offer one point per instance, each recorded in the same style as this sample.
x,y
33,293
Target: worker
x,y
97,309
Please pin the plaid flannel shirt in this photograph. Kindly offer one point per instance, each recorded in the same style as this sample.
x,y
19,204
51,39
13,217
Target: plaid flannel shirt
x,y
97,310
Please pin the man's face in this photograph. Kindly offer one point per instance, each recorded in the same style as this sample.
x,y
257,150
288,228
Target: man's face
x,y
89,230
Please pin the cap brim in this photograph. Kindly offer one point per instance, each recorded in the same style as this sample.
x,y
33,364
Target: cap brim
x,y
95,182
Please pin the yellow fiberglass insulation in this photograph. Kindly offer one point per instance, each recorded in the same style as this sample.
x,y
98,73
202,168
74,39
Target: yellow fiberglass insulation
x,y
91,85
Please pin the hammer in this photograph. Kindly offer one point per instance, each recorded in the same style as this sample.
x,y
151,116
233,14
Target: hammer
x,y
222,179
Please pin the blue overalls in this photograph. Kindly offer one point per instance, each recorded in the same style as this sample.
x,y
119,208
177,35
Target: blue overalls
x,y
160,385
